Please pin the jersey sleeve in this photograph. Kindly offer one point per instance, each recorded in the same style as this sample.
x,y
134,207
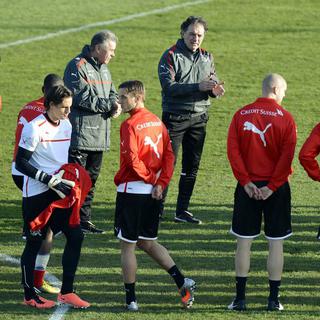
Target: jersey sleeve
x,y
234,155
308,153
167,160
283,167
30,137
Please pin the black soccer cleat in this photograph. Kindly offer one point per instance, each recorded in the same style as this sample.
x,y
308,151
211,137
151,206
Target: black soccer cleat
x,y
186,216
237,305
89,227
274,306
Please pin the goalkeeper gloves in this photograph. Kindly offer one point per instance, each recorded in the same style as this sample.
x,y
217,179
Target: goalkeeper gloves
x,y
55,182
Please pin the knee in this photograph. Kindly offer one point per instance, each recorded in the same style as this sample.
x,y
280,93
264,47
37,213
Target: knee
x,y
145,245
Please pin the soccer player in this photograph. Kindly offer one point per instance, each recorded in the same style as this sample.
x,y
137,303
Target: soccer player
x,y
308,154
261,144
188,79
30,111
43,149
95,102
146,166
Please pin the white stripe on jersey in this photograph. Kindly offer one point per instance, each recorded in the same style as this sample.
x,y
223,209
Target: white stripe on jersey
x,y
49,144
137,187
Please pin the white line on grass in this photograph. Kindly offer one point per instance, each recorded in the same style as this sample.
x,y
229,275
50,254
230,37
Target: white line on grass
x,y
100,23
60,310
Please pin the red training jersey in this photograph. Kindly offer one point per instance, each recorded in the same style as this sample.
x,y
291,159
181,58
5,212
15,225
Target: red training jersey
x,y
309,152
261,143
29,112
145,150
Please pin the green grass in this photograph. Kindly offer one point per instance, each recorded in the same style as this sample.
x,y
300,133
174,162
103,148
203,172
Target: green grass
x,y
248,39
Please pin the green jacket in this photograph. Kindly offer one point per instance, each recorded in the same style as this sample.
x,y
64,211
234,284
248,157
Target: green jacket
x,y
180,71
94,95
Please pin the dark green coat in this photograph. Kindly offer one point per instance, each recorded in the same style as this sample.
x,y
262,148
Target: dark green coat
x,y
94,95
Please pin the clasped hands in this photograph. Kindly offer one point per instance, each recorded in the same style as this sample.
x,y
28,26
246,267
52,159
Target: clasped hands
x,y
209,85
256,193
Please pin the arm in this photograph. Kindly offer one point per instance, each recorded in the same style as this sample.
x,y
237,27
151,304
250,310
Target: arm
x,y
85,97
237,164
167,76
116,107
309,152
234,155
167,160
282,170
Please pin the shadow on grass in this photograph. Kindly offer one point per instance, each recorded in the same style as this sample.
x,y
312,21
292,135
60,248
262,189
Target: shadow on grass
x,y
204,252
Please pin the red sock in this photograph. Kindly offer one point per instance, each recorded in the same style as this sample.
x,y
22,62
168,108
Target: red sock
x,y
38,276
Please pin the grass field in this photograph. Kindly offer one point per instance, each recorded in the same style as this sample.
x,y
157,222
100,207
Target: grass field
x,y
248,38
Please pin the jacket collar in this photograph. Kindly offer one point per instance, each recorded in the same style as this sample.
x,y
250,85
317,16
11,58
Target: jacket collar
x,y
86,54
188,53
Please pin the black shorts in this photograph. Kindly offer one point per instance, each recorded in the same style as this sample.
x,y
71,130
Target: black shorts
x,y
136,217
33,206
247,213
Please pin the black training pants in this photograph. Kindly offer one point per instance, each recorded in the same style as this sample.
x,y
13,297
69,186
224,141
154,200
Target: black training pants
x,y
190,132
92,162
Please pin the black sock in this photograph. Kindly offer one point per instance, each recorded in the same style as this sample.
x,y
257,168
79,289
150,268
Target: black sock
x,y
177,276
274,289
241,288
130,292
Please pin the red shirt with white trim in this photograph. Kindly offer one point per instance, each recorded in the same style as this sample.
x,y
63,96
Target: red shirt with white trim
x,y
146,156
29,112
308,153
261,143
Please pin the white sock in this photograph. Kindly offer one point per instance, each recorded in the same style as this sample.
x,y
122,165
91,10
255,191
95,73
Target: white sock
x,y
42,261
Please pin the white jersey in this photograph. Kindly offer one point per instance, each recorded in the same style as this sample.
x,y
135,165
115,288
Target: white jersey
x,y
49,144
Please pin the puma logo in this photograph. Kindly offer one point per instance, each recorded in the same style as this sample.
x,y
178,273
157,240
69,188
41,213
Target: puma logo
x,y
22,121
251,127
163,69
149,142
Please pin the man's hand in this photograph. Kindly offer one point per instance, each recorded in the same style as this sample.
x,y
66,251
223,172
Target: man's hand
x,y
218,89
266,192
253,191
61,186
157,192
116,110
207,85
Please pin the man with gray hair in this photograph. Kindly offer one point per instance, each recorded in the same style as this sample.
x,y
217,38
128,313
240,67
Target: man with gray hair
x,y
261,143
95,102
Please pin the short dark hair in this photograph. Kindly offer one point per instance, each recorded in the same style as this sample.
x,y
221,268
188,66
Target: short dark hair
x,y
51,80
101,37
193,20
133,86
56,94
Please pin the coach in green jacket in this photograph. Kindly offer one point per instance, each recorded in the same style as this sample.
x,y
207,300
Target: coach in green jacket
x,y
188,79
95,101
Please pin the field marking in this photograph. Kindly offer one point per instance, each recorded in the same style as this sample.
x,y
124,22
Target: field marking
x,y
100,23
60,310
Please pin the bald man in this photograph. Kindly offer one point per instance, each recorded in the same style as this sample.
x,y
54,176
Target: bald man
x,y
261,143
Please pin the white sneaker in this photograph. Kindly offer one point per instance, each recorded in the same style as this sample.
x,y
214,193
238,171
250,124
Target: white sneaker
x,y
133,306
